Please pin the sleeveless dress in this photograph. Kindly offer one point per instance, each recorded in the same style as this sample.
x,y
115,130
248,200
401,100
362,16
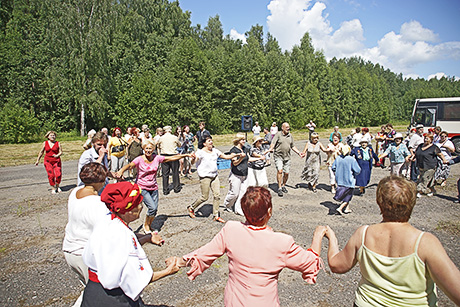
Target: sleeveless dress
x,y
393,281
52,165
312,163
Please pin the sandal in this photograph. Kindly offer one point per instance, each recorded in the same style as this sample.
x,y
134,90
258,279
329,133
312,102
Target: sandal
x,y
218,219
191,212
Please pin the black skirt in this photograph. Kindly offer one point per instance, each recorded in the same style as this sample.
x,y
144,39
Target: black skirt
x,y
96,296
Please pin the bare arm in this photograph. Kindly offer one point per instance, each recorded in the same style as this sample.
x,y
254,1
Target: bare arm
x,y
60,152
343,261
318,235
321,146
171,269
40,154
228,157
176,157
129,166
443,271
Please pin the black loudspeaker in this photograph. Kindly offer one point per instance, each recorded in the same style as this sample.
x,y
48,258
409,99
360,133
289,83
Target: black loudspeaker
x,y
246,122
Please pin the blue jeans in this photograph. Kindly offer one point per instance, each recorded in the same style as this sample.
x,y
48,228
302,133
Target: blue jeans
x,y
151,201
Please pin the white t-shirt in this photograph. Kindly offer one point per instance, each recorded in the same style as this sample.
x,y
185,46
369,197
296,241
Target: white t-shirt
x,y
256,130
415,141
444,150
83,215
273,130
356,139
116,256
206,165
367,137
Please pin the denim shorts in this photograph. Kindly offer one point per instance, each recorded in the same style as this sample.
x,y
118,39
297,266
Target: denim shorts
x,y
151,201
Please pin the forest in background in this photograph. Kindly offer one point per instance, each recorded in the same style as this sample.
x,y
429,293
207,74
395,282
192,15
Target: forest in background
x,y
74,65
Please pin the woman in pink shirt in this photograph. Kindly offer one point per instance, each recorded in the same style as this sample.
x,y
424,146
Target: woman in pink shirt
x,y
147,168
256,254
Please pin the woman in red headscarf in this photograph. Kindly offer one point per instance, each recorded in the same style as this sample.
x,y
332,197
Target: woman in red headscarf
x,y
117,265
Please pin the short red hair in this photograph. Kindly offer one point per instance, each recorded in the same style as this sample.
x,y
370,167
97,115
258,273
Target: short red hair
x,y
255,204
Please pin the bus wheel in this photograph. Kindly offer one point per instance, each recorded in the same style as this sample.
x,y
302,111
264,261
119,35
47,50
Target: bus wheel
x,y
456,142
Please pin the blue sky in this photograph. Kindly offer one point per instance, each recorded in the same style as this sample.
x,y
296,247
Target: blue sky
x,y
418,38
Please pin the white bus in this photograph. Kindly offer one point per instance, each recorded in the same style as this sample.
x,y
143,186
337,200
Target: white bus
x,y
443,112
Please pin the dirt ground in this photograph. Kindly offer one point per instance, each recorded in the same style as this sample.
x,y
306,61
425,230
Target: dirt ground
x,y
33,271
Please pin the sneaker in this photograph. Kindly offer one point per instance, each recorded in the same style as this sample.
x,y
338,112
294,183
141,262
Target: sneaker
x,y
419,195
284,190
333,190
280,193
59,190
429,194
457,201
227,209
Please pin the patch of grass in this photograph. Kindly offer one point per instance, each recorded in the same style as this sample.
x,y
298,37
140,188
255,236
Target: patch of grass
x,y
452,227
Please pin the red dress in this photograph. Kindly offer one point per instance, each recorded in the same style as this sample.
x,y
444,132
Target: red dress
x,y
52,164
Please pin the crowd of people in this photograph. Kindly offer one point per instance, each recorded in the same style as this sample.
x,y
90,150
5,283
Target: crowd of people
x,y
108,258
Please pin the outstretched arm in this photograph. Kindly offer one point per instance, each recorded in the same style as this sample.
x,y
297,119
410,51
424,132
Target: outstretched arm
x,y
443,271
343,261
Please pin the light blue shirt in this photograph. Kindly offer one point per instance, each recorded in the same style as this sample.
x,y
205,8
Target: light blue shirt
x,y
397,154
346,168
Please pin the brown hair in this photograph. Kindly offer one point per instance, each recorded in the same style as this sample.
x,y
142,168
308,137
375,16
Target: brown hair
x,y
255,204
99,136
396,198
50,132
430,136
445,133
336,134
93,172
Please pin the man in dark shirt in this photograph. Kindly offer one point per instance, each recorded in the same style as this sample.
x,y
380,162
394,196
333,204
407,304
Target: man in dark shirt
x,y
201,135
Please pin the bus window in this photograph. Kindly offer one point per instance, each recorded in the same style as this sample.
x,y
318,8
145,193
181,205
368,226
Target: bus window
x,y
452,111
425,116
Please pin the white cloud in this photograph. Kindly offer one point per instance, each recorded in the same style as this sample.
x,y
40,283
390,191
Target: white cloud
x,y
401,52
413,31
437,75
235,35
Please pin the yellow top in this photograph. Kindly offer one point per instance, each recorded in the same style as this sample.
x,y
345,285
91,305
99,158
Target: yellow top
x,y
393,281
115,141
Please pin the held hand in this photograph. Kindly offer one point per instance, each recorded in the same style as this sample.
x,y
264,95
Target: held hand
x,y
329,232
36,163
170,260
321,231
172,266
157,239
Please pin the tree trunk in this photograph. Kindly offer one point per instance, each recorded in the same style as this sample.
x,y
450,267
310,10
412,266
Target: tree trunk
x,y
82,121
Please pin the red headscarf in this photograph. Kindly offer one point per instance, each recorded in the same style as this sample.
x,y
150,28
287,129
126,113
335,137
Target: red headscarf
x,y
121,197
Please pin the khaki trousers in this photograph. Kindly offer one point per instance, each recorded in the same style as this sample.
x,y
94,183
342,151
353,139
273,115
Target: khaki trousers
x,y
207,184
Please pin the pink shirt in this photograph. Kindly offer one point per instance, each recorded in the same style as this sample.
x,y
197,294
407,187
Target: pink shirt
x,y
147,172
255,259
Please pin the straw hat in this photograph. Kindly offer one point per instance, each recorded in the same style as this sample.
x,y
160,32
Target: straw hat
x,y
345,149
256,139
398,136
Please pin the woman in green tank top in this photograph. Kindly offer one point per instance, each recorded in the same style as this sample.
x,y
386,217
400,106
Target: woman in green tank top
x,y
399,264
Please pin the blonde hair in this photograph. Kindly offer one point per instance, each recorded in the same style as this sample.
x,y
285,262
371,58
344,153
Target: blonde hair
x,y
239,136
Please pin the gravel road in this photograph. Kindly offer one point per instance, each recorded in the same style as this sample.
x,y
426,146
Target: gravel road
x,y
33,271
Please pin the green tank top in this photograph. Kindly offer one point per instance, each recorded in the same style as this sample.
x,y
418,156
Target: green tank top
x,y
393,281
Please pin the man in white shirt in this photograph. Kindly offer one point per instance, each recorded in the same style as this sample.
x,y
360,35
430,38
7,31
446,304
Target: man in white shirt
x,y
97,153
256,129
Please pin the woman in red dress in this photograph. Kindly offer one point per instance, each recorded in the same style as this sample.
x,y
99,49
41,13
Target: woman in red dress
x,y
52,160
